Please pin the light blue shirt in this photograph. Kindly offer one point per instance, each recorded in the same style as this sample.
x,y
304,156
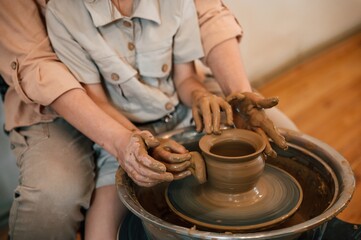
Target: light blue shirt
x,y
132,56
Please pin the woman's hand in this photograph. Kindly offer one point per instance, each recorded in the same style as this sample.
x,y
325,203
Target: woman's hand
x,y
248,112
143,169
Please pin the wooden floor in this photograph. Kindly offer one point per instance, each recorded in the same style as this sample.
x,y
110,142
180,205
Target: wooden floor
x,y
323,97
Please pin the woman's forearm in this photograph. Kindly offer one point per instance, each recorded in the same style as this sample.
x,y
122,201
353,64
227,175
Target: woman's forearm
x,y
79,110
226,64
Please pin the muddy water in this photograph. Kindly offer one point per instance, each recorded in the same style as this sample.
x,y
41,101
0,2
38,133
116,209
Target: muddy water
x,y
232,148
316,185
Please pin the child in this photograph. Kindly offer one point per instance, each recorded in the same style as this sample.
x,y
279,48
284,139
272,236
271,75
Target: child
x,y
135,60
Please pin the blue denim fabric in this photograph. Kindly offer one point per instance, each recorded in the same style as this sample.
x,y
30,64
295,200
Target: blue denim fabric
x,y
179,118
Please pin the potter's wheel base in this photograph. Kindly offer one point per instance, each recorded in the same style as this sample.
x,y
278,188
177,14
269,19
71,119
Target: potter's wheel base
x,y
276,197
132,228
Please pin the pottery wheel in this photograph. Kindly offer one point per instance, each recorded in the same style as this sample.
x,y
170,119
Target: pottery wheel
x,y
276,197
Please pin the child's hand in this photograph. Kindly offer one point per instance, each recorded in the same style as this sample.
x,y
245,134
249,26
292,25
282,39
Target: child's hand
x,y
208,107
140,167
174,156
248,110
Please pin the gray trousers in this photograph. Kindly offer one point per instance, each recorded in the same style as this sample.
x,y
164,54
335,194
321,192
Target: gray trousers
x,y
55,183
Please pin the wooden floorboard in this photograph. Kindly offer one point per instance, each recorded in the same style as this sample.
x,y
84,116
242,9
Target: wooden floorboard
x,y
323,97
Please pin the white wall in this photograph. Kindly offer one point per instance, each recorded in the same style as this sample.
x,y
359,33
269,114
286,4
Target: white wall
x,y
280,32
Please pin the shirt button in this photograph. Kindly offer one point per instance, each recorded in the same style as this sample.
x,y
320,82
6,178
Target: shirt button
x,y
131,46
115,77
14,65
127,24
164,67
168,106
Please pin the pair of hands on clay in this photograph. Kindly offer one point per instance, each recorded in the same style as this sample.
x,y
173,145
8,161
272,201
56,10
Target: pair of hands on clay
x,y
243,110
149,161
248,113
206,110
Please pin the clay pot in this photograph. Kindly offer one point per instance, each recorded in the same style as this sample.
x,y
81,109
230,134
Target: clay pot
x,y
241,193
234,161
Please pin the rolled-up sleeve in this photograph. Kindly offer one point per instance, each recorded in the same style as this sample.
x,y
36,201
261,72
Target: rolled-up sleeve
x,y
28,62
217,24
182,50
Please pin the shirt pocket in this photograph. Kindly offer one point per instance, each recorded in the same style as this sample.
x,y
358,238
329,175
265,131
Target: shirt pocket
x,y
115,72
155,60
123,97
140,102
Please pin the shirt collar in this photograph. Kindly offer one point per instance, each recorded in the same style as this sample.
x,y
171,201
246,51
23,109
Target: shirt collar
x,y
103,12
148,9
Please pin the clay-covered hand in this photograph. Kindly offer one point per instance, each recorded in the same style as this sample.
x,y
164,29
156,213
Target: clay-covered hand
x,y
198,167
139,165
248,113
206,109
174,156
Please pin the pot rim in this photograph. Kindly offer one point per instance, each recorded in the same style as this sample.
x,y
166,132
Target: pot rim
x,y
212,140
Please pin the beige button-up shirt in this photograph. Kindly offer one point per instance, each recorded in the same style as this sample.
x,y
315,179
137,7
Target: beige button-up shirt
x,y
35,75
134,55
28,65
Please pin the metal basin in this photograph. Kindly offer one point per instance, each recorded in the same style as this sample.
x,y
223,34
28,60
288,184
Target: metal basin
x,y
325,176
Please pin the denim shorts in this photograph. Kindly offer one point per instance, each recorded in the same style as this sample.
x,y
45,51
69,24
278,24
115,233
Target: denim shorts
x,y
107,164
106,167
180,117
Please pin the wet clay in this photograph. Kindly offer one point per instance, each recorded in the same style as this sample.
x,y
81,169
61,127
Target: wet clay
x,y
315,166
153,199
274,198
234,161
198,168
239,193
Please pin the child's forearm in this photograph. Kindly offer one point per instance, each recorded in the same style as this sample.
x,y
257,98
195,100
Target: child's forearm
x,y
186,82
186,89
98,95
